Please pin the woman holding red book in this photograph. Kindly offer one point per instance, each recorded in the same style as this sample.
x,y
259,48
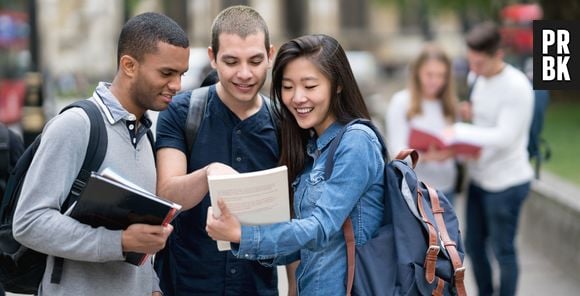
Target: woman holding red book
x,y
427,106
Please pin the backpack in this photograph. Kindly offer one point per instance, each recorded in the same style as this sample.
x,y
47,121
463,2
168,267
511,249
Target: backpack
x,y
11,147
21,269
5,166
538,148
417,249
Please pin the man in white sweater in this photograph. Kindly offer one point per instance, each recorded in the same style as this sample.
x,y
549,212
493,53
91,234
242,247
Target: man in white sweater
x,y
500,111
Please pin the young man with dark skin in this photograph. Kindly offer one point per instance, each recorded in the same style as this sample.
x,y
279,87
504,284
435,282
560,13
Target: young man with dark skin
x,y
153,53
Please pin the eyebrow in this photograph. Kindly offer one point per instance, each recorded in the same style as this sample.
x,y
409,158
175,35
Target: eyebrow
x,y
307,78
172,70
256,56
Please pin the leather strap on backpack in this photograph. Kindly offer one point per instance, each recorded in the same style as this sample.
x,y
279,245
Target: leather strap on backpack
x,y
350,250
409,152
433,250
450,245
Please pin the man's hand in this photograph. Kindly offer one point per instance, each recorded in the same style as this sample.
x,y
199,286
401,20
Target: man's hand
x,y
433,154
226,227
465,111
218,168
143,238
156,294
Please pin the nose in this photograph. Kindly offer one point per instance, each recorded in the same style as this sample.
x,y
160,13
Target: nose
x,y
244,72
298,97
175,83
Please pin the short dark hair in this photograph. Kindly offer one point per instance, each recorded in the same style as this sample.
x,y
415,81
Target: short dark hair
x,y
141,34
485,38
240,20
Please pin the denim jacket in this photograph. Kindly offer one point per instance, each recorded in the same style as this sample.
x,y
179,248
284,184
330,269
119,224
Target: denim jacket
x,y
321,206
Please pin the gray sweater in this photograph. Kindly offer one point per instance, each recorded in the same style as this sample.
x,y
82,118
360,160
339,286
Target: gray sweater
x,y
93,262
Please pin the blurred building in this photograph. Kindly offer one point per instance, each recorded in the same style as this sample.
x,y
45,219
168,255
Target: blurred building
x,y
80,36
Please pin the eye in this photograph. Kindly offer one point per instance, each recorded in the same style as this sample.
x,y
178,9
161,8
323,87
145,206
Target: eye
x,y
256,62
229,62
166,73
310,86
286,87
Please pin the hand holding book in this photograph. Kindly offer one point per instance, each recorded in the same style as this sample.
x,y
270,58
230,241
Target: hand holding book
x,y
252,198
225,228
110,201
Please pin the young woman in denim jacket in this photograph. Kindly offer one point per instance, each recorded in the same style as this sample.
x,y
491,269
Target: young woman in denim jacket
x,y
316,93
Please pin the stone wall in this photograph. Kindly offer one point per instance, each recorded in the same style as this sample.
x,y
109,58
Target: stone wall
x,y
551,222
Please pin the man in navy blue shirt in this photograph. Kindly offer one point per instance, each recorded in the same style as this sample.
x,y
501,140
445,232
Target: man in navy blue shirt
x,y
236,129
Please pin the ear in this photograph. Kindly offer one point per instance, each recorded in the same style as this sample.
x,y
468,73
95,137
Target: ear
x,y
212,57
271,53
128,65
500,54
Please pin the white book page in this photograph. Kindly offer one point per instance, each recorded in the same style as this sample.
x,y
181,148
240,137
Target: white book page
x,y
254,198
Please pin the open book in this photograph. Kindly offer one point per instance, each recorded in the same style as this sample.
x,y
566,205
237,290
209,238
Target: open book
x,y
254,198
422,140
113,202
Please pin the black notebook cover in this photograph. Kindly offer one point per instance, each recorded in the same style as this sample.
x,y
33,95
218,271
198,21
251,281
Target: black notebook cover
x,y
115,206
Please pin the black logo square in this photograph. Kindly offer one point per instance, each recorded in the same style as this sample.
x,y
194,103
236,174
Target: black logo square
x,y
556,54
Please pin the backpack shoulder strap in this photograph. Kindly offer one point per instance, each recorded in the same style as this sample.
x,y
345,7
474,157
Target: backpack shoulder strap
x,y
96,151
329,164
4,152
347,227
197,105
273,114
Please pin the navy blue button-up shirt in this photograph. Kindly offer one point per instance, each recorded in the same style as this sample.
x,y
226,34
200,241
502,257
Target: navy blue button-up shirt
x,y
191,263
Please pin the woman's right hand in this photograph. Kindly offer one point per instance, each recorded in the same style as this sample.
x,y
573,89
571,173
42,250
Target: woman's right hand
x,y
226,227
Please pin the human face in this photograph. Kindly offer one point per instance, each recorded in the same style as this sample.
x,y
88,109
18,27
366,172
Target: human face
x,y
158,77
432,77
482,63
242,65
306,93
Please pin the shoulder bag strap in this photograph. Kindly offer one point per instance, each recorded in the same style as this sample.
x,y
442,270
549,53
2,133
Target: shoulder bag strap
x,y
197,105
96,150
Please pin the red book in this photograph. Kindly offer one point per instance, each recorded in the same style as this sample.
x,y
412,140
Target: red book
x,y
422,140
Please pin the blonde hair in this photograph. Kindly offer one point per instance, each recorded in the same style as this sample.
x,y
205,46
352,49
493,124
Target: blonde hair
x,y
447,94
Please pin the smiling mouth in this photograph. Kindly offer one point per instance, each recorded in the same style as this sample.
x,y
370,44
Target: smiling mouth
x,y
243,85
304,110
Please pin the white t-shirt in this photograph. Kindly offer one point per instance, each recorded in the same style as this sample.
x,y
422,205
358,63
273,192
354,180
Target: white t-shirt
x,y
439,174
502,114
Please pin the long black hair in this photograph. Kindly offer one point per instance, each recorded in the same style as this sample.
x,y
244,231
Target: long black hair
x,y
346,102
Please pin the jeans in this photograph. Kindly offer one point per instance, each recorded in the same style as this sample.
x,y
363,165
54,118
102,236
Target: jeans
x,y
492,221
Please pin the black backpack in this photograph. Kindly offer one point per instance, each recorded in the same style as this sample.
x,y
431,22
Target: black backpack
x,y
21,269
418,249
538,148
5,166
